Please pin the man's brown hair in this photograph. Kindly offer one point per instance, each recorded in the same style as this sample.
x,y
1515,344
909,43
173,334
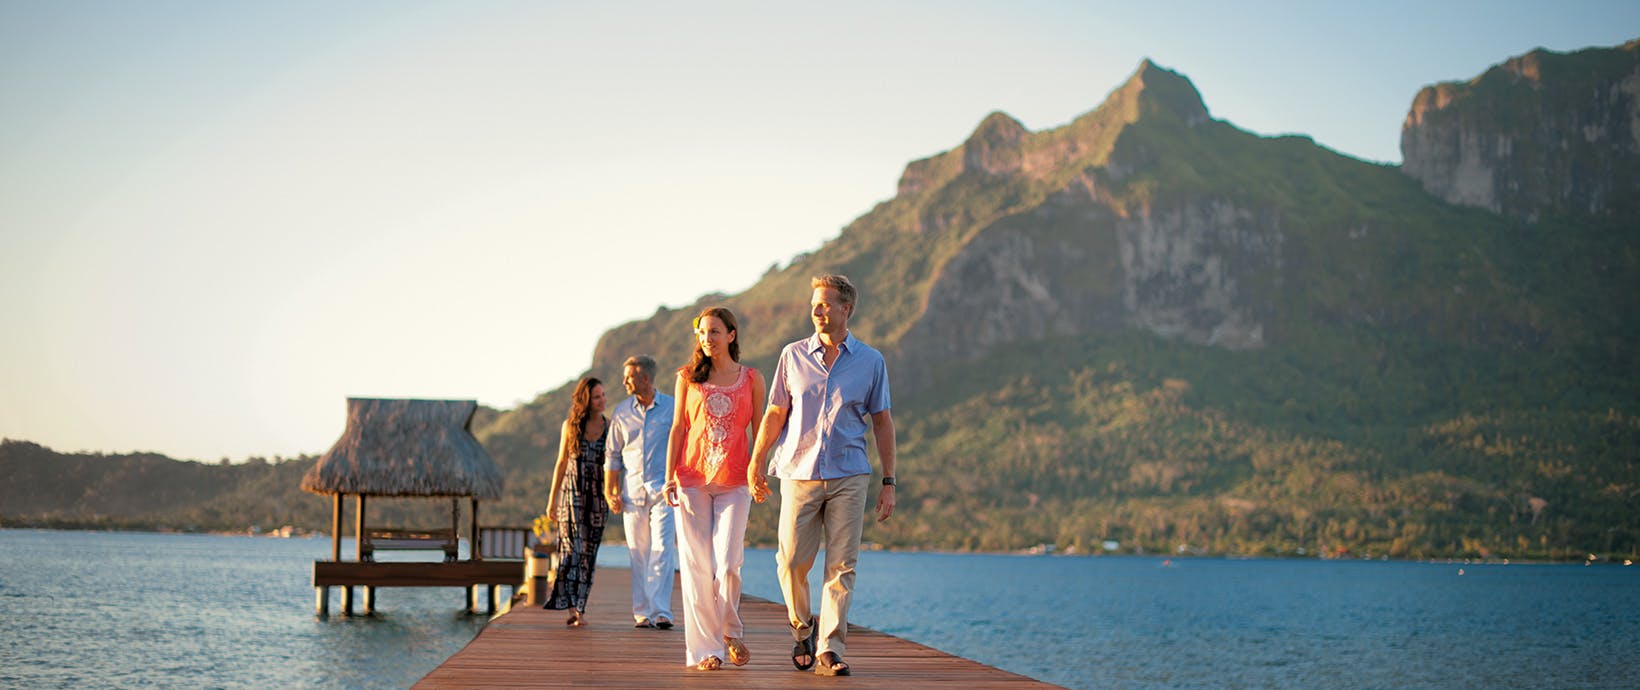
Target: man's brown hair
x,y
840,283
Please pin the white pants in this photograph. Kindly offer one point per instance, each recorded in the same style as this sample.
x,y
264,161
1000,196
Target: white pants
x,y
712,545
649,537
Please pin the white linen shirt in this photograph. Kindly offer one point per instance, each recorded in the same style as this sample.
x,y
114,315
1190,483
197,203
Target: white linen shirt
x,y
639,434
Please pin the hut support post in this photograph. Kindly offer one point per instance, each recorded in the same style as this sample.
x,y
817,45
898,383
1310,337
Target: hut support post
x,y
358,544
473,536
336,528
322,594
369,600
455,527
358,531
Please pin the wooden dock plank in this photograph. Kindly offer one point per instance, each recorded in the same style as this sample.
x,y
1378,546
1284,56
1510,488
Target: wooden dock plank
x,y
530,647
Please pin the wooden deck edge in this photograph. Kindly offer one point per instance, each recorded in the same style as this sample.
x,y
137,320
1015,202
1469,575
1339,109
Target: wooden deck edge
x,y
417,574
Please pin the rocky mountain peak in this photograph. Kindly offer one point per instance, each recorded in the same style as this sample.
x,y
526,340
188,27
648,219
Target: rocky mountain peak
x,y
1000,145
1528,66
999,126
1154,90
994,145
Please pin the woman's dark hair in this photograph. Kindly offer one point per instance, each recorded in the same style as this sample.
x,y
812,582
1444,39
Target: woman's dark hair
x,y
700,366
580,406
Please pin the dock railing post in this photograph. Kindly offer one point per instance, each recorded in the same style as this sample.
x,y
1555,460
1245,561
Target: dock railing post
x,y
540,568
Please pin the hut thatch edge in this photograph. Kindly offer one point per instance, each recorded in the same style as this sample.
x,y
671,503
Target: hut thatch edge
x,y
400,447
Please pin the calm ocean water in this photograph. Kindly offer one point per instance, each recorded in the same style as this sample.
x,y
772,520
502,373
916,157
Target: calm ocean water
x,y
155,610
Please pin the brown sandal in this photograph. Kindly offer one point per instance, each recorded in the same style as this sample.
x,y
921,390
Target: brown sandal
x,y
710,663
738,653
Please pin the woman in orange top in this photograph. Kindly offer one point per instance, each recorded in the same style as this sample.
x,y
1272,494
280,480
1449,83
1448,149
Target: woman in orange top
x,y
718,399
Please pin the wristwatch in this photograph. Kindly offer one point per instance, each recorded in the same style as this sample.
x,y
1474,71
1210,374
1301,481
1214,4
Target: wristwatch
x,y
888,481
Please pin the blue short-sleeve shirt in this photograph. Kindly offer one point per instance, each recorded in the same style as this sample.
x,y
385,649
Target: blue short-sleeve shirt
x,y
828,410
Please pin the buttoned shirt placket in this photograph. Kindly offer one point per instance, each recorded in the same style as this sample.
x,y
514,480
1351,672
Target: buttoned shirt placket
x,y
651,435
643,428
819,355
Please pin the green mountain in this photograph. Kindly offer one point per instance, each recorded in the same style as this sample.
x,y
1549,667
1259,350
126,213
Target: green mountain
x,y
1152,327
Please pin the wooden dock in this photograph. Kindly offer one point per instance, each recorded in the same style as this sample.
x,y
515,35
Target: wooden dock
x,y
529,647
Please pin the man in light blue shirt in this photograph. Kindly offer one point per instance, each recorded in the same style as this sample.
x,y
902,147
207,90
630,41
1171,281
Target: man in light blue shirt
x,y
634,477
827,391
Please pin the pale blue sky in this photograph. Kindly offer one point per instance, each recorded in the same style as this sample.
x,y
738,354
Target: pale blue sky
x,y
219,219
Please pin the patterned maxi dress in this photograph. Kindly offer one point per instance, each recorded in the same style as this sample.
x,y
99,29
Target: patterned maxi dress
x,y
580,525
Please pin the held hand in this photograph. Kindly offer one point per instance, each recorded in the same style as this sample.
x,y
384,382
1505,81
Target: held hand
x,y
671,493
885,503
759,485
614,501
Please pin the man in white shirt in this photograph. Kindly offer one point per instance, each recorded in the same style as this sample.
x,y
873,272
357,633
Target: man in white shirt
x,y
634,480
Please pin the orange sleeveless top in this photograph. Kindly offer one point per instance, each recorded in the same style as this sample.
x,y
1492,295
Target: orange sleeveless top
x,y
717,451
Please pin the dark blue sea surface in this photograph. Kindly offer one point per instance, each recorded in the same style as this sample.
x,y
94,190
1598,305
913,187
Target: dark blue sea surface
x,y
86,609
1140,622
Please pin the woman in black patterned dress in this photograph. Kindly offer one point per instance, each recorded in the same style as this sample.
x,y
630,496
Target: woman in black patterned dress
x,y
577,499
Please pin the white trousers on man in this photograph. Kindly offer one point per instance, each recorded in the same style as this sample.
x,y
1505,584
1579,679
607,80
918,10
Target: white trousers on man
x,y
711,547
651,542
812,513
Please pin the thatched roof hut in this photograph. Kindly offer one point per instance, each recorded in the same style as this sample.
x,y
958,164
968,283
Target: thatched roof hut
x,y
406,448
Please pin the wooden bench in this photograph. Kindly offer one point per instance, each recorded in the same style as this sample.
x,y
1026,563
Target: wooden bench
x,y
409,540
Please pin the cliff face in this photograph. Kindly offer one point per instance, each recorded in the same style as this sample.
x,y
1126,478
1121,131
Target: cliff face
x,y
1143,214
1064,232
1542,135
1076,264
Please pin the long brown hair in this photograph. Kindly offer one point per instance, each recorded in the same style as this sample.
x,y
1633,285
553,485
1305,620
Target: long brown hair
x,y
580,406
700,366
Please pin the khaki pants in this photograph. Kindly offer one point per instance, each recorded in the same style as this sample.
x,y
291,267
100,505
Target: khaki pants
x,y
812,513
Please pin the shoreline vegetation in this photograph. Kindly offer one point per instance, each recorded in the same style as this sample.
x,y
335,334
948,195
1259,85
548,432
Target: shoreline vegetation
x,y
290,532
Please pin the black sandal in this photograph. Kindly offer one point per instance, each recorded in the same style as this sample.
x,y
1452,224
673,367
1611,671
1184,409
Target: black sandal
x,y
805,647
835,667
